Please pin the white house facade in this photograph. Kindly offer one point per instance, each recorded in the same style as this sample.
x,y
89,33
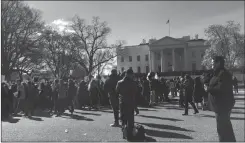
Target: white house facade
x,y
164,55
135,57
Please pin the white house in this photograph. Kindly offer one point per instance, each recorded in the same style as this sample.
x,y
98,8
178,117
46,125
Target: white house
x,y
165,54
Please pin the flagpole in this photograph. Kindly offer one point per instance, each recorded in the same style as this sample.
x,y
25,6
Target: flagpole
x,y
169,28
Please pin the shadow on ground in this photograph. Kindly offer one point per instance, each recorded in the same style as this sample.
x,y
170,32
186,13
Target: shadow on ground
x,y
85,113
76,117
164,134
166,127
11,120
232,118
161,118
145,109
35,118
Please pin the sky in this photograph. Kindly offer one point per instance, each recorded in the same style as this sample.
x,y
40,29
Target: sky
x,y
134,21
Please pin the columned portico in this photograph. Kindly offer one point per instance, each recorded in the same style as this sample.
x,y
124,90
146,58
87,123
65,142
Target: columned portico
x,y
162,61
173,59
152,61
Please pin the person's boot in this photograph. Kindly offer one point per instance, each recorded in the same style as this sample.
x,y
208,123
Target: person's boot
x,y
196,111
115,124
185,114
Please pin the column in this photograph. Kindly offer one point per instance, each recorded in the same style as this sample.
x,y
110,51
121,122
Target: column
x,y
173,60
185,59
152,57
162,61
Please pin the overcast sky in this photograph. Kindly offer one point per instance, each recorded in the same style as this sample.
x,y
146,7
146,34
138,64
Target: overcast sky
x,y
137,20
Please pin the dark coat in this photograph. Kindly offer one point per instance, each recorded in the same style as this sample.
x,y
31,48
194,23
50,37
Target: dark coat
x,y
127,90
111,83
83,94
221,98
188,87
198,93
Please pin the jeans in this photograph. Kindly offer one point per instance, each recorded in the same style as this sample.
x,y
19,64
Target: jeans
x,y
224,127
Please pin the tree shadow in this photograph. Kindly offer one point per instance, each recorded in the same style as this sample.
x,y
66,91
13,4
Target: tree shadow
x,y
164,134
240,99
85,113
237,112
175,108
161,118
167,127
76,117
243,108
35,118
150,139
143,109
11,120
232,118
106,111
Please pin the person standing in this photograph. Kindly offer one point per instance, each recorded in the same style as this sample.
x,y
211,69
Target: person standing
x,y
198,92
188,86
110,90
146,90
61,97
221,99
71,94
21,97
127,89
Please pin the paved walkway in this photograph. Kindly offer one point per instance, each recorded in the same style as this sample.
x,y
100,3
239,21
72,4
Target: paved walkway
x,y
162,123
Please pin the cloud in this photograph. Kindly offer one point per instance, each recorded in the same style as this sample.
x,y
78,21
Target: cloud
x,y
61,25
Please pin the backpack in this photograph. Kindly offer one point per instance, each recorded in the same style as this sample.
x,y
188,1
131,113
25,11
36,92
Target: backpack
x,y
138,133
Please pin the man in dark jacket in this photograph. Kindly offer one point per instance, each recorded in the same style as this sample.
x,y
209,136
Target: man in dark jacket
x,y
188,87
110,90
221,99
127,89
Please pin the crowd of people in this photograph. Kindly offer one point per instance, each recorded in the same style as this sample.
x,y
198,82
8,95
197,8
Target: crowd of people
x,y
124,92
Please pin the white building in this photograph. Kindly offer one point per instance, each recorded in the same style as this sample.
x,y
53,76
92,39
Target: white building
x,y
166,54
135,57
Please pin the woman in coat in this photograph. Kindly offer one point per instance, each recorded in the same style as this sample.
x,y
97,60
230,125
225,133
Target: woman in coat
x,y
198,92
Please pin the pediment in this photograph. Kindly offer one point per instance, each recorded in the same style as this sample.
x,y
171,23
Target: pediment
x,y
167,41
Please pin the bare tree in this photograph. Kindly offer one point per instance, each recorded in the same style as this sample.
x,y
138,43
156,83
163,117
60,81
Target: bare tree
x,y
20,30
225,40
91,49
55,52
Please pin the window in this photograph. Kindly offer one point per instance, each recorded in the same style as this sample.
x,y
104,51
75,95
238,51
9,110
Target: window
x,y
122,59
193,54
130,58
147,70
193,66
146,57
139,70
138,58
122,69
